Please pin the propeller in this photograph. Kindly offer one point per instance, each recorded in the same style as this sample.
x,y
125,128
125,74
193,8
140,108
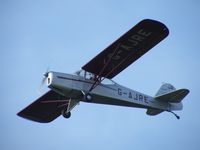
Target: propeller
x,y
45,75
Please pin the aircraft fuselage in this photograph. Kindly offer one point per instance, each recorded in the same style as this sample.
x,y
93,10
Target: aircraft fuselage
x,y
74,86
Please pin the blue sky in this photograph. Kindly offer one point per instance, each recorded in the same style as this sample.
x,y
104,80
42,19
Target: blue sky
x,y
64,35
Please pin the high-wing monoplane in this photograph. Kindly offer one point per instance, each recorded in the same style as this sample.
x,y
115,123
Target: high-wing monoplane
x,y
94,84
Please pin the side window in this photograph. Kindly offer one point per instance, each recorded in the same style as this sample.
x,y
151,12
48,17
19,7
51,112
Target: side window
x,y
108,82
88,75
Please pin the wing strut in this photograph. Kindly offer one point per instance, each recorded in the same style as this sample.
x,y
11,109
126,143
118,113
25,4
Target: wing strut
x,y
125,50
98,79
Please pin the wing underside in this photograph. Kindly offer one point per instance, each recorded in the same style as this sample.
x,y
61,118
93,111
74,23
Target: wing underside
x,y
45,109
127,49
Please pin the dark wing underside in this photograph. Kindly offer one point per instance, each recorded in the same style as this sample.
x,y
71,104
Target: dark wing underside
x,y
45,109
127,49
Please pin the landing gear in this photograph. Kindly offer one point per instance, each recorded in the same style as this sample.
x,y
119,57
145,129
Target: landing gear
x,y
66,114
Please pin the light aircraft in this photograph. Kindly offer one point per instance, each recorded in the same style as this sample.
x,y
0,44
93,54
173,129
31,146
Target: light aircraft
x,y
94,84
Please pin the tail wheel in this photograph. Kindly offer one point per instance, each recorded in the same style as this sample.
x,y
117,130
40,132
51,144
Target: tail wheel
x,y
66,114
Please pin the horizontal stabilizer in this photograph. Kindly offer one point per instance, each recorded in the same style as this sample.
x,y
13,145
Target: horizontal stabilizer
x,y
173,97
153,111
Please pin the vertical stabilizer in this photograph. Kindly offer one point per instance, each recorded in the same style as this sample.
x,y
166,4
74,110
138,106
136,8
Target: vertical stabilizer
x,y
165,88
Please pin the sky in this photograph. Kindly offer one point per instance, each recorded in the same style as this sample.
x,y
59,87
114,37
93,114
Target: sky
x,y
64,35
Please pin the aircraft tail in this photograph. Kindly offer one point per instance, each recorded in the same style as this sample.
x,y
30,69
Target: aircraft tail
x,y
168,93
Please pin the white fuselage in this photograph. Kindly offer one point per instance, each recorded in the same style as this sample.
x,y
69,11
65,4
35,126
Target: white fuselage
x,y
73,87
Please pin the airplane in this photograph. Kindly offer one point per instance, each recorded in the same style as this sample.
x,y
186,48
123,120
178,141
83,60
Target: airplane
x,y
94,84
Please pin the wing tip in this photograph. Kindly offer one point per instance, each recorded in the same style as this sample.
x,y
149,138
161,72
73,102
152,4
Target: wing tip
x,y
32,118
162,25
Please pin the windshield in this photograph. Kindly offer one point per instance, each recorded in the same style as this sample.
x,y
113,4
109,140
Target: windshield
x,y
84,74
91,76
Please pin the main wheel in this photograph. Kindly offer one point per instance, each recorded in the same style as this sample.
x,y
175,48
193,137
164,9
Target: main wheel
x,y
66,114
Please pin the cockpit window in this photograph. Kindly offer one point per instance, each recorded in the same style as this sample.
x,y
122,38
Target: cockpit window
x,y
90,76
84,74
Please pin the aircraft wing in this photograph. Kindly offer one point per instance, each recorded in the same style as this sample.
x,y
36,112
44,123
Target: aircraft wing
x,y
127,49
45,109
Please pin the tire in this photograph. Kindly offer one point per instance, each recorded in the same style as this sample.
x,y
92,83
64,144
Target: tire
x,y
66,114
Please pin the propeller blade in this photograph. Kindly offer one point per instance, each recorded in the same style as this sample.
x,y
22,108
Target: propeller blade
x,y
45,75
